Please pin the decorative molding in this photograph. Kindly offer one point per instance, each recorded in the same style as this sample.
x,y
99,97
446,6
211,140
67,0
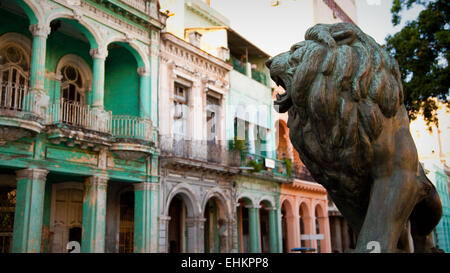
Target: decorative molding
x,y
114,22
146,186
97,180
143,72
98,53
77,14
40,30
305,186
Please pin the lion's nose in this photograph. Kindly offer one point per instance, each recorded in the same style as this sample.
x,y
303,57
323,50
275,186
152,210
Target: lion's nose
x,y
269,62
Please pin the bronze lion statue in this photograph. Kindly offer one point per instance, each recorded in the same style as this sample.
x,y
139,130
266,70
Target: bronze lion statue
x,y
348,122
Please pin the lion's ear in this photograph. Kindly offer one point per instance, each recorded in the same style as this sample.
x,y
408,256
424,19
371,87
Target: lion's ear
x,y
344,37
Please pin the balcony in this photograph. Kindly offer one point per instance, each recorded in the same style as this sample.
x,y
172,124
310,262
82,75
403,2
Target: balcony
x,y
211,155
259,77
20,112
262,164
133,136
74,123
238,65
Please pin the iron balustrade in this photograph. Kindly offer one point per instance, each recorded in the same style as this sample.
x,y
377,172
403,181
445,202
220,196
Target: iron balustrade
x,y
259,76
279,168
79,115
238,65
15,97
124,126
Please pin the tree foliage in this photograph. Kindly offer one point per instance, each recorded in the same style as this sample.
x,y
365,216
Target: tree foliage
x,y
421,49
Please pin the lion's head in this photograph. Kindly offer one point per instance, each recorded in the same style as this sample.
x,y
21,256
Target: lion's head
x,y
340,88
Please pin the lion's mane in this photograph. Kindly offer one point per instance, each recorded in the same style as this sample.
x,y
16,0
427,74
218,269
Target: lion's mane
x,y
344,87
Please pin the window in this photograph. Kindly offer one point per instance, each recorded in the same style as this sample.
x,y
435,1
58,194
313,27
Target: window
x,y
14,76
181,110
72,84
212,110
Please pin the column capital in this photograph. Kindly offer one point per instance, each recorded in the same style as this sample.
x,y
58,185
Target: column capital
x,y
98,53
97,180
146,186
143,72
36,174
40,30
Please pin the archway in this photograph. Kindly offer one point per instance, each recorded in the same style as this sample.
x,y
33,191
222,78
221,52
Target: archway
x,y
177,228
121,81
182,236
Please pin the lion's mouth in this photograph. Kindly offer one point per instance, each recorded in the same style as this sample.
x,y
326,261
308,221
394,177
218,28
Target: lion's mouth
x,y
283,101
279,81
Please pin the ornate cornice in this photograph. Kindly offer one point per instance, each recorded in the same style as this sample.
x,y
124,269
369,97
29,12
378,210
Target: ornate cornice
x,y
175,46
305,186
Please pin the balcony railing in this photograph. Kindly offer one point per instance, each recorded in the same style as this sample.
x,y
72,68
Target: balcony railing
x,y
78,115
258,162
238,65
123,126
144,6
259,76
15,97
206,151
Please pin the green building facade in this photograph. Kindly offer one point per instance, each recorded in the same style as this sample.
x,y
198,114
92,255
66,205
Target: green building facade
x,y
78,125
442,230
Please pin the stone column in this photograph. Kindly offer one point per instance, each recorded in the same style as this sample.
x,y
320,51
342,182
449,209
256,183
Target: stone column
x,y
337,234
154,72
195,234
345,235
251,138
29,210
310,226
293,231
325,223
145,218
324,228
144,93
255,238
37,97
94,215
164,233
273,234
98,77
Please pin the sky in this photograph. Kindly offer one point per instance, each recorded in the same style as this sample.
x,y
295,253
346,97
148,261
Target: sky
x,y
275,29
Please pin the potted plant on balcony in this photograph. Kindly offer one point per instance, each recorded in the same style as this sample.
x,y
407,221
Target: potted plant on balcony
x,y
236,147
288,165
257,167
